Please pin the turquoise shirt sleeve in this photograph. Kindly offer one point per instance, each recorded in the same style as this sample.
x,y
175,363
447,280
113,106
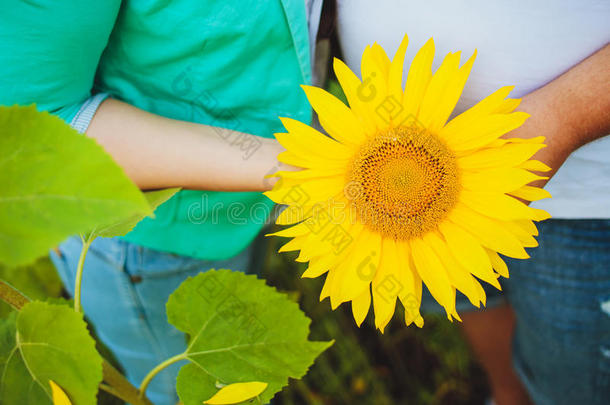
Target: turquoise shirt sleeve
x,y
50,51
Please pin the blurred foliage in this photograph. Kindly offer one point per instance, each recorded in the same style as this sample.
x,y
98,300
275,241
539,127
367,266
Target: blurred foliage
x,y
406,365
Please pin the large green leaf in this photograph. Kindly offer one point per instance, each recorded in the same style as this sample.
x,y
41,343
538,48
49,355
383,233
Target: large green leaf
x,y
47,342
122,227
55,182
241,330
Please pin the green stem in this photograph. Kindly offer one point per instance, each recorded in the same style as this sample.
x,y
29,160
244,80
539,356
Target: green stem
x,y
12,296
79,273
121,388
157,369
110,390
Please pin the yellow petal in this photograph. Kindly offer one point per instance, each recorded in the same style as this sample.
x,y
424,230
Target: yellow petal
x,y
418,78
433,273
507,106
291,215
361,306
503,141
310,174
297,230
497,205
458,275
295,159
410,284
328,284
497,263
347,283
502,179
236,393
381,59
535,166
59,396
308,191
292,245
319,265
385,285
329,224
528,226
344,268
336,118
508,155
356,92
482,131
331,234
525,238
374,78
303,138
396,68
468,252
362,265
444,91
489,105
303,160
531,193
487,232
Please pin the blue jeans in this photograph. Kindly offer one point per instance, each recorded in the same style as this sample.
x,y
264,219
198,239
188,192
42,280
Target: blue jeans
x,y
124,290
561,298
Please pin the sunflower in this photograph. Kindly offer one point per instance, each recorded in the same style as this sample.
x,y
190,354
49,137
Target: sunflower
x,y
398,194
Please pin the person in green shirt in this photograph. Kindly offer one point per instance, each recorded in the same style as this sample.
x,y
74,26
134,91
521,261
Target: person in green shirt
x,y
181,93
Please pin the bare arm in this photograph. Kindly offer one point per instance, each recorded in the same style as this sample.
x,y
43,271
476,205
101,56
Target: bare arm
x,y
158,152
570,111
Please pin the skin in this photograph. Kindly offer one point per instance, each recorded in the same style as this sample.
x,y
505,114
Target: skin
x,y
570,111
158,152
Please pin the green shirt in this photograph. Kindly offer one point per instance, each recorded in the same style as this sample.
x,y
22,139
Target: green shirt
x,y
230,64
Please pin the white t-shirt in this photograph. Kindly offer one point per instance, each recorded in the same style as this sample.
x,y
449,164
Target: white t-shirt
x,y
525,43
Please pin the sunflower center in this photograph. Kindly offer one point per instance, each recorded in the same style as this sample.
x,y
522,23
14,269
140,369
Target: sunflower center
x,y
406,181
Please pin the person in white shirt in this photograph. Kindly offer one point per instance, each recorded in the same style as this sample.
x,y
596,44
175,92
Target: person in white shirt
x,y
557,55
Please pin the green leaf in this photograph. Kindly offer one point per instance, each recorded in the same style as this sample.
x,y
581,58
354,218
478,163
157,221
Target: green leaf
x,y
241,330
47,342
122,227
38,281
55,182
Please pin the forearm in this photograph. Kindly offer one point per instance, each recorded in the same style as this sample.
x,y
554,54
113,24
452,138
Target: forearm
x,y
570,111
158,152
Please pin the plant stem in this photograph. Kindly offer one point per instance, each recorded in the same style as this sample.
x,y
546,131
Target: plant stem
x,y
122,388
157,369
79,273
111,391
12,296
